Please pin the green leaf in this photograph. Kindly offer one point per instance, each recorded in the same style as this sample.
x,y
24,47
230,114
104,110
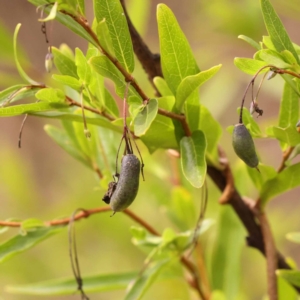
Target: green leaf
x,y
30,108
66,20
17,92
276,30
106,68
250,41
146,279
177,60
273,58
249,65
19,67
68,286
67,80
285,290
64,141
288,135
52,13
162,86
210,127
291,276
286,180
193,161
289,107
70,116
83,69
217,295
145,117
50,95
64,64
182,210
228,245
104,37
31,224
191,83
294,237
21,243
259,178
112,12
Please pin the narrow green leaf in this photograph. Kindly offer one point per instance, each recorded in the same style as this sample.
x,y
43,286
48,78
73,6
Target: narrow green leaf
x,y
50,95
162,86
285,290
268,42
19,67
218,295
182,209
104,37
289,107
64,64
273,58
52,13
288,135
289,57
112,12
70,116
83,68
68,286
294,237
21,243
291,276
145,117
249,65
193,161
64,141
259,178
30,108
228,244
191,83
250,41
31,224
210,127
66,20
177,59
17,92
276,30
286,180
106,68
146,279
294,85
67,80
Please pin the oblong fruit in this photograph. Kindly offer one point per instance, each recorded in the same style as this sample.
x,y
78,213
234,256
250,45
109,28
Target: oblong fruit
x,y
243,145
128,183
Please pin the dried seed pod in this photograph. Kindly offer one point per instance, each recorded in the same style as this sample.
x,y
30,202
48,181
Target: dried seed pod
x,y
128,183
243,145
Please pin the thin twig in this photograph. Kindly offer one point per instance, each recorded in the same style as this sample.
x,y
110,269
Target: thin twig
x,y
74,256
285,156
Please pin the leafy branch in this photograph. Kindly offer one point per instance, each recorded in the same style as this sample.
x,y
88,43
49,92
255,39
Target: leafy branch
x,y
85,213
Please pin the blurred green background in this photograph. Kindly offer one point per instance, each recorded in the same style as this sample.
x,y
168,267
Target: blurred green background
x,y
42,181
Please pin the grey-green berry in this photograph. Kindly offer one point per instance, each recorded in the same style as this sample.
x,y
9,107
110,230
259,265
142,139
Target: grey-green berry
x,y
243,145
128,183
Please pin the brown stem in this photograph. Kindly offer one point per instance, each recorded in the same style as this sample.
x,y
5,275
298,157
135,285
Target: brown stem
x,y
149,61
271,255
285,156
94,110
